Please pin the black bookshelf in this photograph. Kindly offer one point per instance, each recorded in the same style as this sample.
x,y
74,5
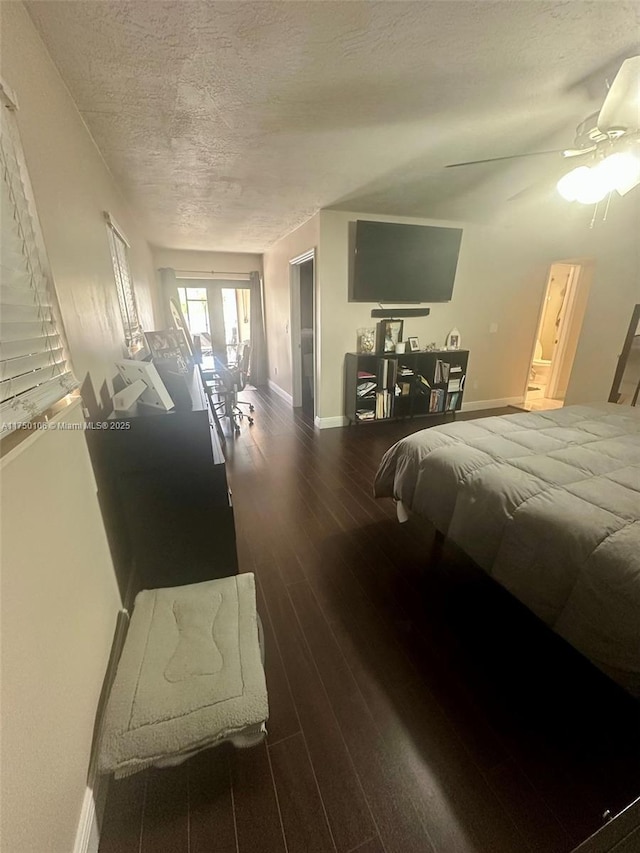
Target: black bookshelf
x,y
404,385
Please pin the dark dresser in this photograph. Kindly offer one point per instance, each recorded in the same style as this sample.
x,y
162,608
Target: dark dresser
x,y
163,488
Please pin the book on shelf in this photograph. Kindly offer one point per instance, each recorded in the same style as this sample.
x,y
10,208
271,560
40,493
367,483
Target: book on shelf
x,y
436,400
366,374
454,385
403,370
387,372
384,404
365,415
452,401
441,373
422,381
366,389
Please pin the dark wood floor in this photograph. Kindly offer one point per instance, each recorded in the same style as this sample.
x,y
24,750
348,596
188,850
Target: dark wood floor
x,y
414,707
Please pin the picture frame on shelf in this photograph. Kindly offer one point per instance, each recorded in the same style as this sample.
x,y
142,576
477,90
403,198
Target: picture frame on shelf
x,y
453,340
414,343
366,338
388,334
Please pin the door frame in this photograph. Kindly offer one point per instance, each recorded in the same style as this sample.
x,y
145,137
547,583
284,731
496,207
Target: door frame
x,y
559,351
566,321
295,328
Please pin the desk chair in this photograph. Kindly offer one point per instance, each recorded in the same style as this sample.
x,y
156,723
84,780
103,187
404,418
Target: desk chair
x,y
226,382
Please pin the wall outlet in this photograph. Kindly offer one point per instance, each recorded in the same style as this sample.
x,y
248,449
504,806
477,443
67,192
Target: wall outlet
x,y
493,328
275,370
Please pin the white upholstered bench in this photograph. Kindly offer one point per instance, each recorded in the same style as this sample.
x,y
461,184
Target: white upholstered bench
x,y
190,676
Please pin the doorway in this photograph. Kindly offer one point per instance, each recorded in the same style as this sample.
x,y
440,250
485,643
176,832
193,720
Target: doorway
x,y
556,338
219,313
303,331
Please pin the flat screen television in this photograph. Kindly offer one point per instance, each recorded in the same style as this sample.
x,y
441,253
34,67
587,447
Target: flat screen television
x,y
404,263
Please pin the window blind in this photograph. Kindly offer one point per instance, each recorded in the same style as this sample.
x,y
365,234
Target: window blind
x,y
34,371
124,285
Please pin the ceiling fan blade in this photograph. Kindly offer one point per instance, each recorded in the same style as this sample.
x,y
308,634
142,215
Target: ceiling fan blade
x,y
621,108
508,157
578,152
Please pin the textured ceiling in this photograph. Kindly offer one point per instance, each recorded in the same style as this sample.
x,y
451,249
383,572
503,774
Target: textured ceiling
x,y
229,124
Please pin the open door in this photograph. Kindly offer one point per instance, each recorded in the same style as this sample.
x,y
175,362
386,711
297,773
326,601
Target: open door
x,y
303,331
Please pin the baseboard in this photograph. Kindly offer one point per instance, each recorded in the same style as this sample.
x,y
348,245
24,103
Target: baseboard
x,y
477,405
330,423
88,833
281,392
95,795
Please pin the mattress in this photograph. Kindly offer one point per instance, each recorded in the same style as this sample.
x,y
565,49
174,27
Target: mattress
x,y
548,503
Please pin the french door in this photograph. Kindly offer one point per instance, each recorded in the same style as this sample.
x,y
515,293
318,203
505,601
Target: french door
x,y
219,312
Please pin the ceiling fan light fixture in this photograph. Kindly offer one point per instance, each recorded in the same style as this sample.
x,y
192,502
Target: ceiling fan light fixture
x,y
594,187
571,184
621,171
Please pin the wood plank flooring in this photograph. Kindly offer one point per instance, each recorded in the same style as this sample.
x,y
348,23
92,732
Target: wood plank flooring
x,y
415,706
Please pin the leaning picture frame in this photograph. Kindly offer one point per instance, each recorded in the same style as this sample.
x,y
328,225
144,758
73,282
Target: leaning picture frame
x,y
414,344
388,334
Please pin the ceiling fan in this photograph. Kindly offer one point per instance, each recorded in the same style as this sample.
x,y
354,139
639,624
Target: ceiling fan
x,y
612,138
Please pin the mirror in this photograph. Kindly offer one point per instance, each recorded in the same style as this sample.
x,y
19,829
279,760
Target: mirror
x,y
626,382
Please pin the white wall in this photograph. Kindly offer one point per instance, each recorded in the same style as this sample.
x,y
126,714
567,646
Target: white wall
x,y
501,278
186,260
72,187
59,593
278,299
496,283
614,291
59,605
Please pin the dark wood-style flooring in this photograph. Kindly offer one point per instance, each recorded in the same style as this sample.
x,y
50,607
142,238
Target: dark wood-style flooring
x,y
415,707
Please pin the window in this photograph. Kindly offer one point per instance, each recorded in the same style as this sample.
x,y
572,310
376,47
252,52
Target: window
x,y
124,285
34,369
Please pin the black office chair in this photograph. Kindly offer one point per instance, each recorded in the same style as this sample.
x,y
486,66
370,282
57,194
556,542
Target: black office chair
x,y
226,382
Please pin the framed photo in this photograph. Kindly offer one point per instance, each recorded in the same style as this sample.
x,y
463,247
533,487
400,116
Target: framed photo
x,y
453,340
366,340
414,344
389,333
169,344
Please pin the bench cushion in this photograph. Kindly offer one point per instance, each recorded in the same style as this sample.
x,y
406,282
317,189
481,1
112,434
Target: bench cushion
x,y
190,675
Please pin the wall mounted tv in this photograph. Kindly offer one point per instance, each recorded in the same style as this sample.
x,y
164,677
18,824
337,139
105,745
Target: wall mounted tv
x,y
404,263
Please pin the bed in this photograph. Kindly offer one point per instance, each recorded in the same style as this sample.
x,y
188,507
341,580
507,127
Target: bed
x,y
548,504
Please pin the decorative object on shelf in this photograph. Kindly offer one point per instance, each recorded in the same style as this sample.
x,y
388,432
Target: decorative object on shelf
x,y
400,347
366,340
414,344
453,339
388,333
169,344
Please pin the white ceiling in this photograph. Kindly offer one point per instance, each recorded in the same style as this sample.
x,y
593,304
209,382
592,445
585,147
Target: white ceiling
x,y
228,124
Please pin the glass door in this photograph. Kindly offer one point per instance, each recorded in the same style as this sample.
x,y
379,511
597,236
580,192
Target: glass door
x,y
236,317
219,312
194,303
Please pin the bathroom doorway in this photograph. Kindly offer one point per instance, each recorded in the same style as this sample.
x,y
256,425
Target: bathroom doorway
x,y
556,338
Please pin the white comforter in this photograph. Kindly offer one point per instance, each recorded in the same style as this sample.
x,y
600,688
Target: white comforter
x,y
548,503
